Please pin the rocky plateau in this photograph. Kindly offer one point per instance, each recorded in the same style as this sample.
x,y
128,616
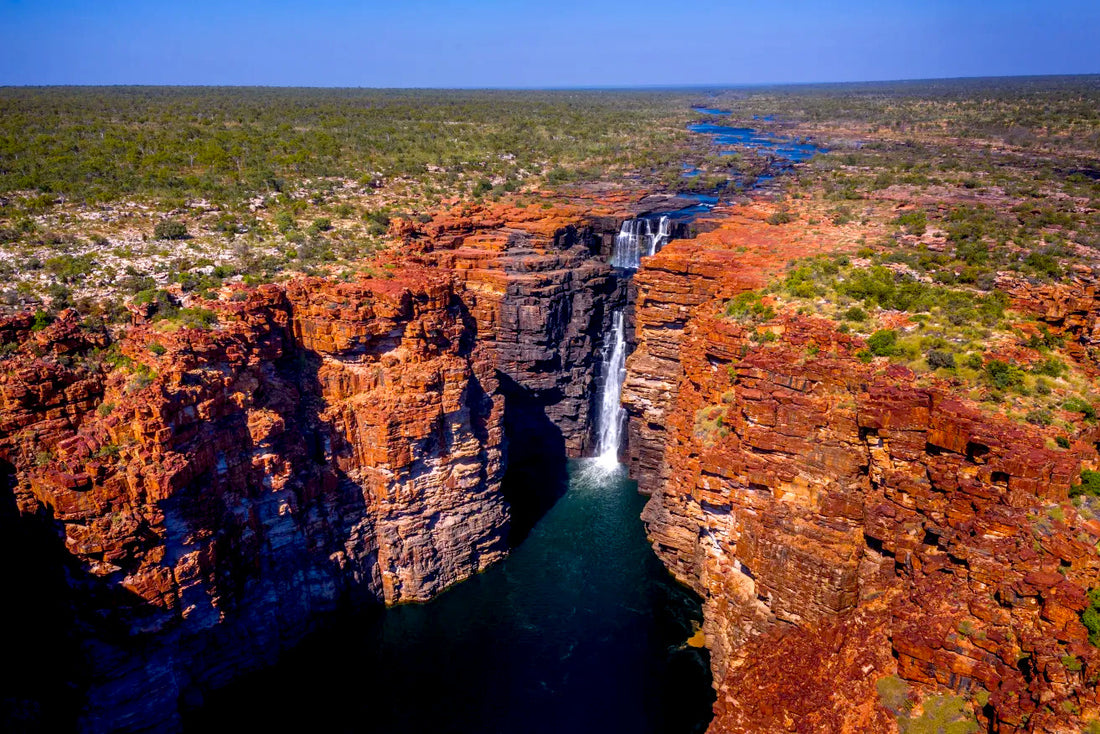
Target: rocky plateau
x,y
187,503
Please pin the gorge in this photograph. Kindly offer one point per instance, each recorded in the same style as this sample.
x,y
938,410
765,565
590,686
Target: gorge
x,y
381,497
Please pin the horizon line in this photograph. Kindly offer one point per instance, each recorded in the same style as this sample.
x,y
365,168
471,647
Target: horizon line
x,y
553,88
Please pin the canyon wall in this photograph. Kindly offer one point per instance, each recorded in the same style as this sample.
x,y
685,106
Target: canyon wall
x,y
208,494
845,524
1070,307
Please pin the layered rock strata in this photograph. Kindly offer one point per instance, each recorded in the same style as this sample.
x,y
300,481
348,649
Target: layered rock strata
x,y
737,252
1070,307
844,524
326,442
211,493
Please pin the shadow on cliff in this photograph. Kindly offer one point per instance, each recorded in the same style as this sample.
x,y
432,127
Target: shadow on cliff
x,y
41,660
537,474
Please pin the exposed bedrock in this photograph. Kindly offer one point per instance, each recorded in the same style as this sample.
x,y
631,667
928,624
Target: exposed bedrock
x,y
844,524
205,496
1070,307
327,442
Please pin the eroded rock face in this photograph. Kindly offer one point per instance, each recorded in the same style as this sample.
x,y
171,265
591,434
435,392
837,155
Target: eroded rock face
x,y
739,252
213,493
541,297
1070,308
326,442
844,524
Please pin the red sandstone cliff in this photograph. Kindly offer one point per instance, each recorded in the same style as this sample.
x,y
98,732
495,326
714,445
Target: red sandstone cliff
x,y
330,440
213,491
844,525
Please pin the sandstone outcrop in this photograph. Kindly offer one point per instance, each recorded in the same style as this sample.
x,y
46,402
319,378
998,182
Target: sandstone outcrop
x,y
844,525
540,292
1070,307
331,441
214,492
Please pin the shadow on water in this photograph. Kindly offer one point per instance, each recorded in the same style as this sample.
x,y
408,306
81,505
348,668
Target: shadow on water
x,y
537,476
579,630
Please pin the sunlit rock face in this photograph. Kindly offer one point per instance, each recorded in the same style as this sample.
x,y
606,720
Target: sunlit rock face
x,y
213,493
845,524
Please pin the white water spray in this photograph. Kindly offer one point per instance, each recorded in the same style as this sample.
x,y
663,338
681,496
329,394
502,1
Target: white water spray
x,y
637,238
612,415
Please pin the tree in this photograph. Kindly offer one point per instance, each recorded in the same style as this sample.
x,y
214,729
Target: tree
x,y
170,229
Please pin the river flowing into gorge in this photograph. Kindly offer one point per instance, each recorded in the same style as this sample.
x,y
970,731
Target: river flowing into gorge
x,y
580,629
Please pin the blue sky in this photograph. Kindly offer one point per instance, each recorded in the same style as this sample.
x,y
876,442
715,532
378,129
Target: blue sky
x,y
508,43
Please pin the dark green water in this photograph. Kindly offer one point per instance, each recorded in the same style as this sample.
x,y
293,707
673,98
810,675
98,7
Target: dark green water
x,y
579,630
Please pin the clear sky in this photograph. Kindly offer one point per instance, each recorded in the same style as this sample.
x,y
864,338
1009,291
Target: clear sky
x,y
509,43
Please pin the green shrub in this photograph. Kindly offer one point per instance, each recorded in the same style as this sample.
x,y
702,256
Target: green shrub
x,y
1078,405
855,313
939,359
1003,375
170,229
914,222
749,306
284,222
164,304
41,320
1043,263
1051,367
69,268
321,224
143,377
1046,340
136,284
227,224
1090,483
883,343
60,296
107,451
1039,417
196,318
1091,617
782,216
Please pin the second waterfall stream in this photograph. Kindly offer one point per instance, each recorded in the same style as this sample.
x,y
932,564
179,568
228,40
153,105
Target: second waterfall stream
x,y
611,417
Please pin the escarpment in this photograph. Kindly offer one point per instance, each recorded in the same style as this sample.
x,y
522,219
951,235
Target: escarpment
x,y
211,493
1070,307
198,498
326,442
848,525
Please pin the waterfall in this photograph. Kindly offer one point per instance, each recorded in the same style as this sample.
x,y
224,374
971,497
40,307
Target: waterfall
x,y
661,238
637,238
612,415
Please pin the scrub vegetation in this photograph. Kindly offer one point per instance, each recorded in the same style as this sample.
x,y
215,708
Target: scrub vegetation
x,y
115,195
955,192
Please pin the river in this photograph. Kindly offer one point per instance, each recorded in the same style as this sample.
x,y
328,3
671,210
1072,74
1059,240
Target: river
x,y
579,630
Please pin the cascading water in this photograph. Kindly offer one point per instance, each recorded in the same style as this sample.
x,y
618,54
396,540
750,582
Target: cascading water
x,y
637,238
584,636
612,414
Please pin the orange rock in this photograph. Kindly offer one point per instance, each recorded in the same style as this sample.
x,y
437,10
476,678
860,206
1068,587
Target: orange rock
x,y
833,492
